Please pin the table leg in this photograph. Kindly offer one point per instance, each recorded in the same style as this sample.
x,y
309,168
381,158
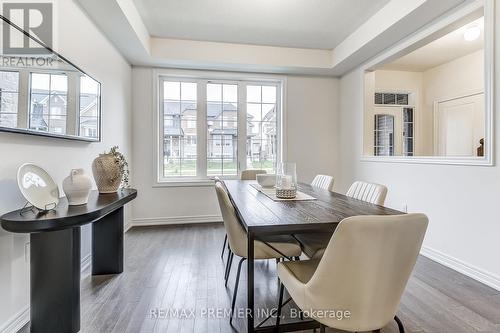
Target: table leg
x,y
55,281
107,244
250,282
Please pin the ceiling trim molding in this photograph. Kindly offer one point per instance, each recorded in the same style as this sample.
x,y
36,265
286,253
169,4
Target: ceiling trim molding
x,y
121,22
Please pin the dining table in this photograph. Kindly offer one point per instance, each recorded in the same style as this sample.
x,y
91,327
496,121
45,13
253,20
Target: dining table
x,y
262,216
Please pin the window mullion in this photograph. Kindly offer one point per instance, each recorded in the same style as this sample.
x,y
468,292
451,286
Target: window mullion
x,y
201,129
242,126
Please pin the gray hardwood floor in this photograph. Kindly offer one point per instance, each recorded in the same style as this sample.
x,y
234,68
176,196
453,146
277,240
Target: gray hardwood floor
x,y
180,268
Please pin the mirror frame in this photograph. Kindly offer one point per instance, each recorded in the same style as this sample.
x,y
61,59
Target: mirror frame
x,y
423,37
28,131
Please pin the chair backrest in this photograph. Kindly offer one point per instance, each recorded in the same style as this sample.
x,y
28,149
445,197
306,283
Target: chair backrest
x,y
236,234
369,192
251,174
323,181
365,269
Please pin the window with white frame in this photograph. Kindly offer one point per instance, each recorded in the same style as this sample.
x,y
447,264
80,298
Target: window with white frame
x,y
206,138
9,94
89,108
49,102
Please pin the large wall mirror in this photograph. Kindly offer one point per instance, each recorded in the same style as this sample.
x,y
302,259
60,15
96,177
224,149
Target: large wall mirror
x,y
431,100
45,94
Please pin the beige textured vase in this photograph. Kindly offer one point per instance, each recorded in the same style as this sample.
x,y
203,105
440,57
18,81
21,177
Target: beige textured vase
x,y
106,173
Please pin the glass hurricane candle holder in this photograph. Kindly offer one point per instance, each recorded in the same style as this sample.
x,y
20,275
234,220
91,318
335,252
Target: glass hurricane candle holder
x,y
286,180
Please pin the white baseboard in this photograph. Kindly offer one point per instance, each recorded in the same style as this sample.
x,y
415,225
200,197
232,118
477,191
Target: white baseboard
x,y
16,322
149,221
127,226
475,273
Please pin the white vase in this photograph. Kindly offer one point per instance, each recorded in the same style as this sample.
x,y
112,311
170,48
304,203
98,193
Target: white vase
x,y
77,187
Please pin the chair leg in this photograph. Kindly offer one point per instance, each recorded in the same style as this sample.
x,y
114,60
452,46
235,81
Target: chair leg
x,y
400,324
223,247
322,328
228,266
235,291
280,303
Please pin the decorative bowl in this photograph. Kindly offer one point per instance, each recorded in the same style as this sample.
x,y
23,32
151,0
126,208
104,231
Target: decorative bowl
x,y
266,180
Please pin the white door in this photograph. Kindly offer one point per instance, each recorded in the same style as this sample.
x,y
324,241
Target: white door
x,y
460,125
397,133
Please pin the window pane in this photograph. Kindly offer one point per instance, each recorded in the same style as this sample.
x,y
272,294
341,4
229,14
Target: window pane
x,y
40,83
171,107
89,127
254,112
188,91
58,84
384,135
39,121
8,102
261,127
39,104
268,94
172,168
171,90
57,124
230,93
9,81
254,129
254,94
88,86
229,166
58,105
268,112
89,108
214,167
230,112
214,92
8,120
188,167
48,96
179,129
268,130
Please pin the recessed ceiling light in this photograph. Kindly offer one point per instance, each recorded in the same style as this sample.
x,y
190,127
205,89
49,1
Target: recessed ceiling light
x,y
472,33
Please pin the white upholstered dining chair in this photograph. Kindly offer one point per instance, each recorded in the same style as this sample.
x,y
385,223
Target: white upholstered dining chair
x,y
364,270
279,246
245,175
314,244
323,181
369,192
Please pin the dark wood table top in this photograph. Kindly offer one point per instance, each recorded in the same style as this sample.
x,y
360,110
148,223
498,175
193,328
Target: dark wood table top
x,y
260,214
64,216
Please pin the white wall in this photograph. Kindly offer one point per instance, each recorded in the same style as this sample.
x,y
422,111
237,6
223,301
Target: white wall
x,y
456,78
460,201
82,43
311,118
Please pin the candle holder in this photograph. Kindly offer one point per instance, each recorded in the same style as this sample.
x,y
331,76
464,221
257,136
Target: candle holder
x,y
286,180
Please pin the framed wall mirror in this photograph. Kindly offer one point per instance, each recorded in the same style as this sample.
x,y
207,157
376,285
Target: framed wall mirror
x,y
430,100
45,94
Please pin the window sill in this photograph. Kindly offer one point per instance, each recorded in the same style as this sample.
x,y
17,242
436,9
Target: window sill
x,y
184,183
478,161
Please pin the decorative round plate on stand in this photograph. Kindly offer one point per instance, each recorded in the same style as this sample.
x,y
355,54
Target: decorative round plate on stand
x,y
37,186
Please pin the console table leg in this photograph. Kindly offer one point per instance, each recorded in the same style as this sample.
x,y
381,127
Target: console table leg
x,y
55,281
107,244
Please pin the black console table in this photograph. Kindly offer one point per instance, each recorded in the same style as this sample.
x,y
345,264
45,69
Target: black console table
x,y
55,254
